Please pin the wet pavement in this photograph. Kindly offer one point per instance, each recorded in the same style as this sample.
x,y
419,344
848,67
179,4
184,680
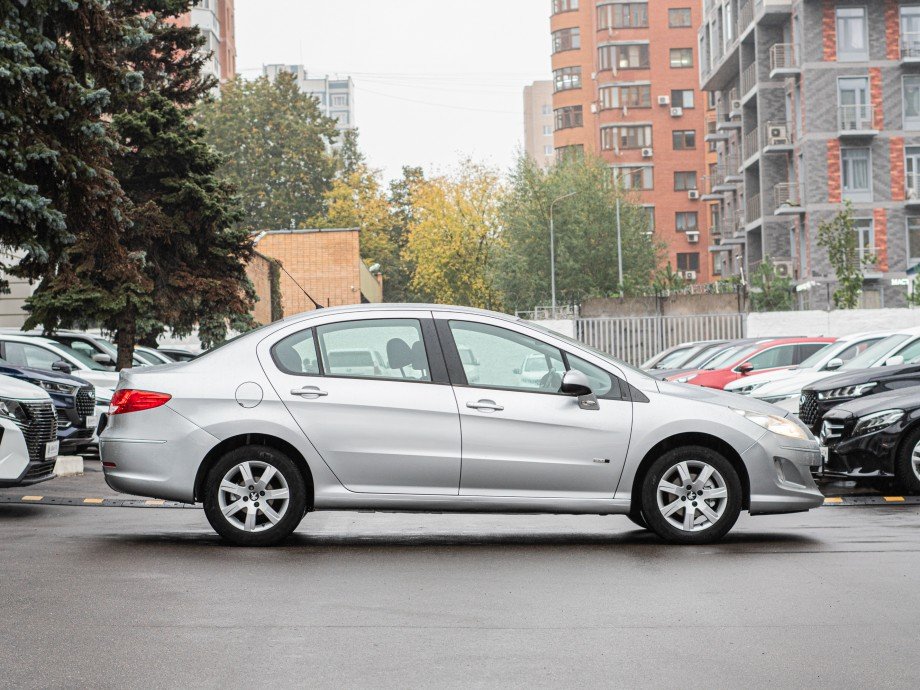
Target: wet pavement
x,y
127,597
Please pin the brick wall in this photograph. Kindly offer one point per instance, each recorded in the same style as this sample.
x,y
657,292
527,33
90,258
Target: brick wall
x,y
892,30
833,171
259,272
829,30
881,239
897,168
875,97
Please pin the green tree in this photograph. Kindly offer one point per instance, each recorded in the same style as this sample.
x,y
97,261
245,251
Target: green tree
x,y
585,231
771,292
275,143
839,238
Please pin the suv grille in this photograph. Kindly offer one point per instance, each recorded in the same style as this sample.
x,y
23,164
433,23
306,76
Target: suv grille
x,y
41,429
808,408
86,401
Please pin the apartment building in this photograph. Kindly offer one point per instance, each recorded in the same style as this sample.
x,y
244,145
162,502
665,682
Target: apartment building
x,y
538,123
817,102
336,96
216,21
626,87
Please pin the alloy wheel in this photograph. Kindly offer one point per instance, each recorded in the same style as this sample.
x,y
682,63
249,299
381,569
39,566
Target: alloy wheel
x,y
253,496
692,495
915,461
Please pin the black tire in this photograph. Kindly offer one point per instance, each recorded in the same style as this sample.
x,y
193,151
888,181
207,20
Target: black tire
x,y
638,519
907,479
269,534
652,513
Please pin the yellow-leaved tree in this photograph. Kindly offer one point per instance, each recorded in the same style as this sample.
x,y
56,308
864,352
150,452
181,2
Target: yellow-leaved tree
x,y
454,235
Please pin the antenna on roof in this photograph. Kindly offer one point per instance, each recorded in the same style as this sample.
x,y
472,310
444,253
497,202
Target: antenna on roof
x,y
309,297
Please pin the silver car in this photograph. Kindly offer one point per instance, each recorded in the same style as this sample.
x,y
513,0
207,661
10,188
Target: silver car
x,y
266,428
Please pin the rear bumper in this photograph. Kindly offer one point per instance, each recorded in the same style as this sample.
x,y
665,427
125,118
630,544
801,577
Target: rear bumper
x,y
779,470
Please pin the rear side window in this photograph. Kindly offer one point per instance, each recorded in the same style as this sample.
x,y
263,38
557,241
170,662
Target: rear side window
x,y
296,354
374,348
781,356
25,355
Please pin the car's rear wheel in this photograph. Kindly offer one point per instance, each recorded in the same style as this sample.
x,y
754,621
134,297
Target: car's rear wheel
x,y
907,464
254,496
691,495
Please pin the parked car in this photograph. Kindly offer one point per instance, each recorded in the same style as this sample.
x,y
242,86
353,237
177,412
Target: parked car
x,y
28,442
705,358
152,356
97,348
470,363
177,354
777,385
74,402
877,436
261,433
765,355
675,357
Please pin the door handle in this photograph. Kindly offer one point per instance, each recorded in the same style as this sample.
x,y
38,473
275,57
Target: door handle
x,y
309,392
485,406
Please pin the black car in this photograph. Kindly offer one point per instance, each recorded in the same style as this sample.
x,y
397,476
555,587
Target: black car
x,y
878,436
74,401
820,397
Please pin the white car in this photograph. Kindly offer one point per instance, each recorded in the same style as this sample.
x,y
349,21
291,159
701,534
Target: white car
x,y
824,362
28,443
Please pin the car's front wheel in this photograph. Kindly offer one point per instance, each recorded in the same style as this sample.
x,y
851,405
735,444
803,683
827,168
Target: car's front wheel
x,y
691,495
254,496
907,464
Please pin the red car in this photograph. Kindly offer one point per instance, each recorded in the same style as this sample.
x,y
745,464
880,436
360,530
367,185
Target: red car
x,y
760,356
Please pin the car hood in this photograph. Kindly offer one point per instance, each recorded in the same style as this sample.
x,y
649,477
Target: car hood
x,y
765,378
852,378
43,375
791,384
20,390
717,397
904,398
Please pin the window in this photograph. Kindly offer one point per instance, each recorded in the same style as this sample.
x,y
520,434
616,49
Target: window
x,y
913,241
634,176
547,109
684,139
623,56
626,137
568,117
623,15
626,96
567,78
687,221
781,356
25,355
681,57
603,385
911,88
856,174
564,6
853,100
682,98
297,355
508,359
548,150
865,231
689,261
679,18
340,101
912,171
547,130
852,35
650,228
718,263
684,181
374,348
570,152
910,31
566,39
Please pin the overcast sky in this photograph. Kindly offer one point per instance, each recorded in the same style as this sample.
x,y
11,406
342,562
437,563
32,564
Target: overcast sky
x,y
436,80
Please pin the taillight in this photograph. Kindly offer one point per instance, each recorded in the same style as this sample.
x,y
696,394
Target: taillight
x,y
130,400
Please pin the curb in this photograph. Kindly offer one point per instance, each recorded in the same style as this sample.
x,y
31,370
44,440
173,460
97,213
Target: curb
x,y
95,502
68,465
872,500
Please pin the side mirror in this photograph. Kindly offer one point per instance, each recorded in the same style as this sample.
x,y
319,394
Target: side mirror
x,y
895,361
835,363
576,384
62,367
745,368
102,358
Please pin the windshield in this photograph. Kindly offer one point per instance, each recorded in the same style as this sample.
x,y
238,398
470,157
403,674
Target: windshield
x,y
83,359
875,353
730,356
675,359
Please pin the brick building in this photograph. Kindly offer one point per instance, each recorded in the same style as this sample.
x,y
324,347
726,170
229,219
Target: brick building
x,y
818,102
325,263
637,102
217,23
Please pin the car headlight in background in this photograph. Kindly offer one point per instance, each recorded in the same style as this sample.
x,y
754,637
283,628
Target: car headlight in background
x,y
55,387
684,379
748,389
877,421
847,391
14,411
773,399
778,425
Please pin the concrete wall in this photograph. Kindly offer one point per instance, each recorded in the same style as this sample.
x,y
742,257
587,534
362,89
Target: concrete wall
x,y
831,323
675,305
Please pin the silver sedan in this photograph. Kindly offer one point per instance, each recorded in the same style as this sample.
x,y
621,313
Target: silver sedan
x,y
274,424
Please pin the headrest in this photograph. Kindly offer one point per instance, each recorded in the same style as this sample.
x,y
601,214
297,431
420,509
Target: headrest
x,y
419,360
398,354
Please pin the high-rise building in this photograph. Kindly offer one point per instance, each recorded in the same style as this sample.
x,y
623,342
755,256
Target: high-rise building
x,y
626,87
336,96
216,21
538,122
818,102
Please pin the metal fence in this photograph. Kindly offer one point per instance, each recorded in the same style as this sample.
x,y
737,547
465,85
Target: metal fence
x,y
634,339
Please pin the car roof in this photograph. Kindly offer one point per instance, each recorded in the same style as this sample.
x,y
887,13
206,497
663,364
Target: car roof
x,y
25,338
395,306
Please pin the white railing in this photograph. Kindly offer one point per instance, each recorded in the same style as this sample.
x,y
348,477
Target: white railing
x,y
745,16
750,144
749,78
752,210
786,194
910,45
783,56
912,187
856,118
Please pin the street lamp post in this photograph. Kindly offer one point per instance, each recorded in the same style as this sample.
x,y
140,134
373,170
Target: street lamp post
x,y
552,249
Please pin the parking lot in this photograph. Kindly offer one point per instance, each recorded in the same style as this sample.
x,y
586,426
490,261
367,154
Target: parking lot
x,y
95,593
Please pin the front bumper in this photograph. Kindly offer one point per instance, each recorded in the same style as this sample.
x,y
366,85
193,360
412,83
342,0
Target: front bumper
x,y
779,470
864,456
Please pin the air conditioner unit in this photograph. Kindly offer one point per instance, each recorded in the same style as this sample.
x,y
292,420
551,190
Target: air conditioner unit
x,y
593,76
677,112
664,100
778,135
736,106
689,275
783,269
693,237
594,107
647,153
693,194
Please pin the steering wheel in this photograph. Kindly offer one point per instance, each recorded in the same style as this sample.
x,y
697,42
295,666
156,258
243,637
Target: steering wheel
x,y
551,381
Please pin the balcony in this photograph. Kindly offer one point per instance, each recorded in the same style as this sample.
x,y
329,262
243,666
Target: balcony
x,y
786,199
910,47
748,81
856,121
912,190
753,213
745,17
784,61
732,167
777,137
750,148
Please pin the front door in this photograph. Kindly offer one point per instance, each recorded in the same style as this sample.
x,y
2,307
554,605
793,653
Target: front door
x,y
521,437
363,393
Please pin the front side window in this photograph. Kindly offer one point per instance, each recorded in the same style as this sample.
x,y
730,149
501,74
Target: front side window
x,y
684,139
855,174
567,78
566,39
679,17
682,98
684,181
568,117
374,348
681,57
603,385
852,34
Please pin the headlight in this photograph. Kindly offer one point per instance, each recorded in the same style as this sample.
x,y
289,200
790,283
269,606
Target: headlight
x,y
748,389
14,411
773,399
847,391
877,421
778,425
55,387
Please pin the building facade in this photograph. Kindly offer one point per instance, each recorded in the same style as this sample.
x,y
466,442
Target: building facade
x,y
217,23
336,96
538,123
626,87
818,102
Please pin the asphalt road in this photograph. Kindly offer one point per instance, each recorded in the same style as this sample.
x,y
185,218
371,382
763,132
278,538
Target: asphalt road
x,y
110,596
